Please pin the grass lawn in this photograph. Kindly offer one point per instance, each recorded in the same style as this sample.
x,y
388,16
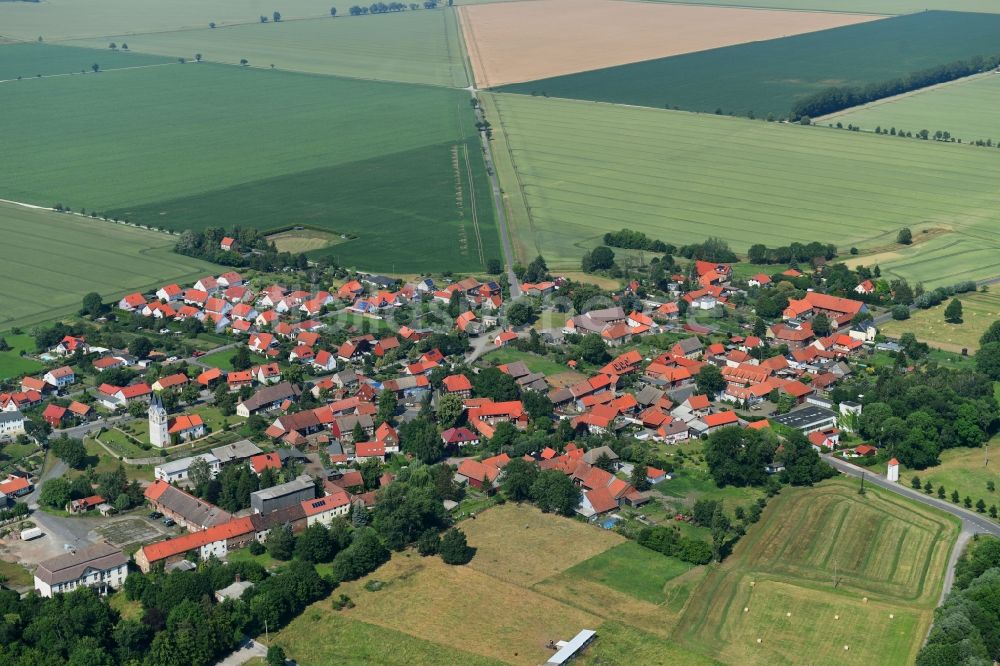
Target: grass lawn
x,y
213,418
244,555
15,575
964,470
522,545
581,168
220,359
962,107
348,320
822,562
108,463
303,240
632,569
50,260
409,47
544,364
130,610
411,193
124,445
979,310
769,76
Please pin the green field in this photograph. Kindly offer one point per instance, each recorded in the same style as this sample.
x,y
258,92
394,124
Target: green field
x,y
632,569
65,19
965,108
12,364
204,145
944,260
768,77
48,261
410,47
29,60
825,568
979,310
852,6
584,169
965,470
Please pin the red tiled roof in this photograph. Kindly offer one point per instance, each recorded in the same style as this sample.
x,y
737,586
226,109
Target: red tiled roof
x,y
158,551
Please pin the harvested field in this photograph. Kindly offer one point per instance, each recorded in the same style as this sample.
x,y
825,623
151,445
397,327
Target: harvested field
x,y
520,544
965,108
822,562
979,310
862,6
524,41
303,240
769,76
584,169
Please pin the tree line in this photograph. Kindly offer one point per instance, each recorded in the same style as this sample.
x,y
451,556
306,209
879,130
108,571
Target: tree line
x,y
637,240
254,250
791,253
838,98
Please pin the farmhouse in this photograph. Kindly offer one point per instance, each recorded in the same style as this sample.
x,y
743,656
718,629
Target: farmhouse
x,y
100,566
268,399
187,510
217,540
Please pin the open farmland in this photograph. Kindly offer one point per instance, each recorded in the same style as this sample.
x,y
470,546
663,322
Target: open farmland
x,y
410,47
584,169
65,19
979,310
861,6
264,149
822,563
942,260
966,470
50,260
29,60
768,77
965,108
510,42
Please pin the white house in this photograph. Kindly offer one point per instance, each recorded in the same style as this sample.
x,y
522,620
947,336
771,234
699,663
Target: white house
x,y
60,377
177,470
11,424
325,509
101,566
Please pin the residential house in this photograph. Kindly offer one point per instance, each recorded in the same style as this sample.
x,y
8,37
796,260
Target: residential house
x,y
188,511
60,377
267,399
177,471
217,541
100,566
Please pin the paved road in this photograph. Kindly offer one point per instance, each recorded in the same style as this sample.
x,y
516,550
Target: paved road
x,y
245,653
508,248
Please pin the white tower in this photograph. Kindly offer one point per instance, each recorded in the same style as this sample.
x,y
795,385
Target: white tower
x,y
892,473
158,435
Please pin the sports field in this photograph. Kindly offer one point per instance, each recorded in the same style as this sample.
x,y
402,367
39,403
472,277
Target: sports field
x,y
64,19
979,310
28,60
199,145
48,261
965,108
861,6
584,169
523,41
411,47
824,569
768,77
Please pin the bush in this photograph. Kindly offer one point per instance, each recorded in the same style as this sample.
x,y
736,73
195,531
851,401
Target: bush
x,y
454,548
900,312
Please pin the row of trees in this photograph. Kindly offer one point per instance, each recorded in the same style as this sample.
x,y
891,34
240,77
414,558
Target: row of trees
x,y
386,8
794,252
838,98
637,240
254,249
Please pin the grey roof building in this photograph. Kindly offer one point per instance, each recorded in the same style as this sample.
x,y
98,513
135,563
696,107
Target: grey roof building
x,y
810,418
102,566
284,495
236,452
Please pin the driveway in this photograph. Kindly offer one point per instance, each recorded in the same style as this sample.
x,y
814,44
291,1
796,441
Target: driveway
x,y
245,653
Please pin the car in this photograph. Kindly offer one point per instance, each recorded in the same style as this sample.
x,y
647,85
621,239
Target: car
x,y
197,354
169,522
156,515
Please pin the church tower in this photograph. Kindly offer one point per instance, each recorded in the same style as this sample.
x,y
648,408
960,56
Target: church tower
x,y
158,435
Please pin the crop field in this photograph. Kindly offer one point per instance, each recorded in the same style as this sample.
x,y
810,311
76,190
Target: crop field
x,y
821,563
303,240
264,149
965,108
410,47
65,19
50,260
966,470
944,260
578,170
633,570
31,60
979,310
510,42
768,77
861,6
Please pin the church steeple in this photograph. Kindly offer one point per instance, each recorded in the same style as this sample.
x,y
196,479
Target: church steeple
x,y
158,423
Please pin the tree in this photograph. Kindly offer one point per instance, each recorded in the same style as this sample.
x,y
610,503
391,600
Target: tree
x,y
988,360
803,466
992,334
600,258
141,347
518,478
915,482
70,451
197,57
494,266
928,487
821,325
592,349
967,502
954,496
738,457
387,404
905,236
520,313
454,548
538,405
554,492
92,304
941,492
315,544
953,313
95,67
404,511
449,410
496,385
364,555
241,359
55,493
277,17
199,473
900,312
429,543
420,437
638,478
981,506
275,653
280,543
243,61
333,11
709,380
